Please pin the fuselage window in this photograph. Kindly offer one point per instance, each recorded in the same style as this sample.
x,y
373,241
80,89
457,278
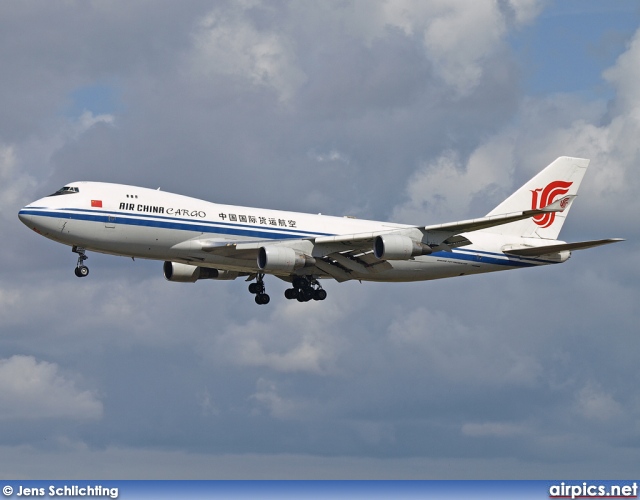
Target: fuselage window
x,y
66,190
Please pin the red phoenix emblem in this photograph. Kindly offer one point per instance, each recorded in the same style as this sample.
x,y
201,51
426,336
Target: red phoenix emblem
x,y
542,197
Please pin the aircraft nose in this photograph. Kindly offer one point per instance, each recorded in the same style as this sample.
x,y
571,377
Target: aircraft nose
x,y
24,217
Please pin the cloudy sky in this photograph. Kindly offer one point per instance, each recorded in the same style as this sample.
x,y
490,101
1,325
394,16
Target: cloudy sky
x,y
412,111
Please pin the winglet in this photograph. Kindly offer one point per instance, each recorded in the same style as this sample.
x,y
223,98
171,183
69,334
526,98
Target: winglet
x,y
560,205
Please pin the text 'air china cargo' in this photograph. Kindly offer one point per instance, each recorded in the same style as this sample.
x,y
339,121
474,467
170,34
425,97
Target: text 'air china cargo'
x,y
201,240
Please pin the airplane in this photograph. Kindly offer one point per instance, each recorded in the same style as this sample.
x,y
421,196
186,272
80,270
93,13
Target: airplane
x,y
200,240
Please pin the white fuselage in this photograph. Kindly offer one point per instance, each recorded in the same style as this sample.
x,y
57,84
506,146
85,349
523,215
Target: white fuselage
x,y
138,222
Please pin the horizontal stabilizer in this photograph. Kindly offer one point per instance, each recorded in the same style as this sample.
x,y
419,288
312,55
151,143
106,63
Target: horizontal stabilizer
x,y
548,249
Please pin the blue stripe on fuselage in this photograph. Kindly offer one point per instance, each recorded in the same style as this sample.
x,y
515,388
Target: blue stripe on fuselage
x,y
174,223
482,257
512,259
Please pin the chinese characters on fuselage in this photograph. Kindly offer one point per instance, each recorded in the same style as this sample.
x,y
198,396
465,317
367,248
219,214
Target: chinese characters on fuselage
x,y
252,219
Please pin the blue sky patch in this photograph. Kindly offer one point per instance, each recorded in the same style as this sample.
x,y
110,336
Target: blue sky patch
x,y
99,98
572,43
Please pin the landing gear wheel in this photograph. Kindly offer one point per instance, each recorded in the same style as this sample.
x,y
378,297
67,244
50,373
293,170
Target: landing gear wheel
x,y
262,299
82,271
305,288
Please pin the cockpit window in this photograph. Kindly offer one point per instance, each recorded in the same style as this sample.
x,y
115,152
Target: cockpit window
x,y
66,190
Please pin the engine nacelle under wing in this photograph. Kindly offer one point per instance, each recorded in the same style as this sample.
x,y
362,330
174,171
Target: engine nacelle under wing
x,y
185,273
398,247
277,258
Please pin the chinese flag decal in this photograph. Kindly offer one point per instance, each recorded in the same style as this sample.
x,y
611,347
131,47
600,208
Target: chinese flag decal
x,y
96,203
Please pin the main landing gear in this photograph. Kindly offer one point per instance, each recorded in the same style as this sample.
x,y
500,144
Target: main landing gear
x,y
81,270
305,288
258,289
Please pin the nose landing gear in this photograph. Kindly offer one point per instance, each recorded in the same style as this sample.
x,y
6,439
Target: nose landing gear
x,y
81,270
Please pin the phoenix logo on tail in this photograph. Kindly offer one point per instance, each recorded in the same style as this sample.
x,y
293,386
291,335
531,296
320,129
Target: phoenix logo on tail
x,y
549,194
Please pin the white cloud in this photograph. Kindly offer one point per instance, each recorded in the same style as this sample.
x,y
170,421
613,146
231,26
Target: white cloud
x,y
23,165
624,76
296,338
34,389
126,304
547,127
87,120
444,189
227,43
459,353
332,156
14,184
206,403
458,37
267,396
525,11
595,404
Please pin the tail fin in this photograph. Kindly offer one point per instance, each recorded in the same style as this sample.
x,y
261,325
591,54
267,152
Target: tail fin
x,y
561,178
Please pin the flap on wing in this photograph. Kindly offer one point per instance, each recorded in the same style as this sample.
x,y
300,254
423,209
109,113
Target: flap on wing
x,y
216,246
326,245
334,270
548,249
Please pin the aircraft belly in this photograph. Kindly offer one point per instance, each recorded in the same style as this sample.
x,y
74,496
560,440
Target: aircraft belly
x,y
126,240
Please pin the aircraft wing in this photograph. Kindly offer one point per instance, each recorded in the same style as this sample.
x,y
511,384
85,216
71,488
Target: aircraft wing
x,y
447,235
341,255
334,256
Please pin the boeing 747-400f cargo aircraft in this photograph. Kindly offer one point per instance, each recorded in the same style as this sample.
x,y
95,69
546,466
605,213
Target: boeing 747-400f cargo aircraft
x,y
201,240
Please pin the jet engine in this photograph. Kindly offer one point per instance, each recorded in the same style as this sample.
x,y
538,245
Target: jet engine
x,y
398,247
184,273
277,258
